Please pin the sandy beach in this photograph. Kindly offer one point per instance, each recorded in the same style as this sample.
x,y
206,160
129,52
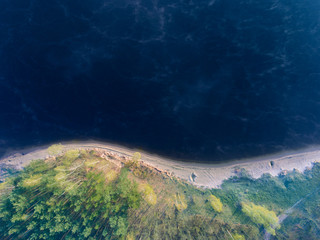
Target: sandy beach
x,y
199,174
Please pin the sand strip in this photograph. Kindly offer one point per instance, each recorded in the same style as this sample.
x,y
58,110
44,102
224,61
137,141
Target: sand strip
x,y
200,174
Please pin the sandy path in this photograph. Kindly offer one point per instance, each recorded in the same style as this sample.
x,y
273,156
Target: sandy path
x,y
207,175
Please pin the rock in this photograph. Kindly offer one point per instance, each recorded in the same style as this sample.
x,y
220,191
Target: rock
x,y
193,176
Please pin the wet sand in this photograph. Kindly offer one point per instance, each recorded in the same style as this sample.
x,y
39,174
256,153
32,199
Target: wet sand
x,y
199,174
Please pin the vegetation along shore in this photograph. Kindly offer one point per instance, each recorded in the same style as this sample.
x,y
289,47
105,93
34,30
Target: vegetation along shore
x,y
99,191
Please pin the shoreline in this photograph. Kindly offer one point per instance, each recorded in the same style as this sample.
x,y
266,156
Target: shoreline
x,y
209,175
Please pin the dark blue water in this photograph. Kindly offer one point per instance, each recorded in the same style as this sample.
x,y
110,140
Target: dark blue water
x,y
206,80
